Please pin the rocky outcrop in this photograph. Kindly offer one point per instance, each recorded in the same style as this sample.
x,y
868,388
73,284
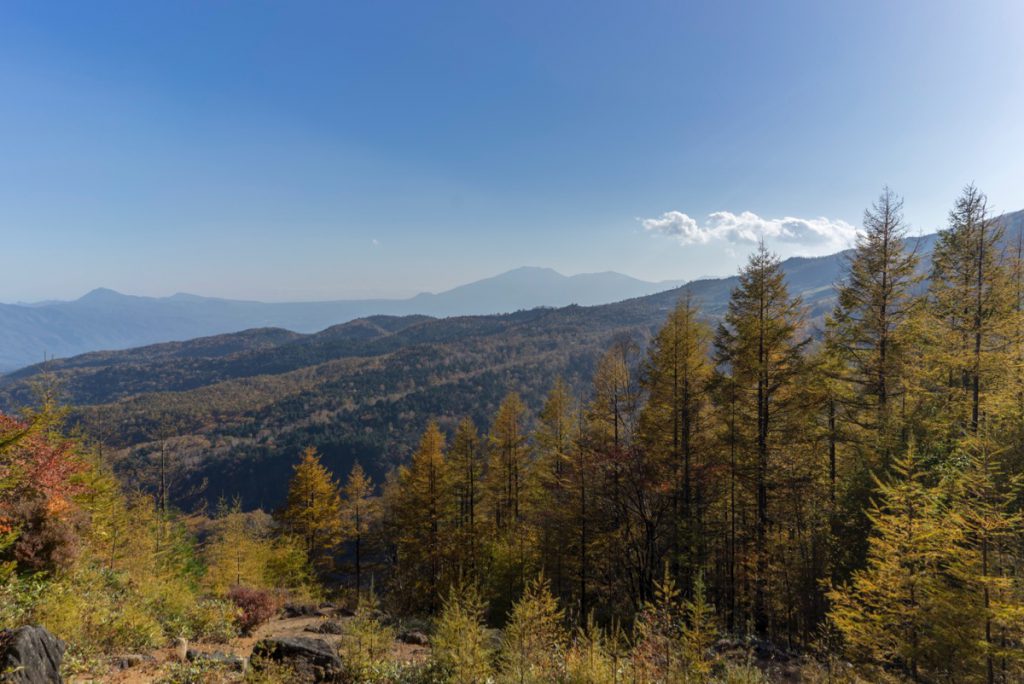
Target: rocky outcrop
x,y
326,627
30,655
415,637
228,661
313,660
297,610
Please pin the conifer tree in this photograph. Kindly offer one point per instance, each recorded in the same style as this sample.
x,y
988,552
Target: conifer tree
x,y
992,531
906,608
509,485
425,521
460,646
972,314
359,510
508,465
313,509
760,345
534,636
869,327
556,436
467,467
676,375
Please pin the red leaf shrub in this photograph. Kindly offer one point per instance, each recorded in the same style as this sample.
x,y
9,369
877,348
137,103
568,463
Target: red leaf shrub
x,y
257,606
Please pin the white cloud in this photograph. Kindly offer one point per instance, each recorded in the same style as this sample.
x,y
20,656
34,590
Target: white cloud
x,y
748,227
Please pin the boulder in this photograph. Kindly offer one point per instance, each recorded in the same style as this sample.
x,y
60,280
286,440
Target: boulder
x,y
415,637
296,610
130,660
313,660
226,660
30,655
326,627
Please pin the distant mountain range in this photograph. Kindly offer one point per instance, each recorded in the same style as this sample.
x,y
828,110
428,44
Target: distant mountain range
x,y
108,320
234,410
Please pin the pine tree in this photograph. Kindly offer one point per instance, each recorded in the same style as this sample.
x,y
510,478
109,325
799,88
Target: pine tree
x,y
313,509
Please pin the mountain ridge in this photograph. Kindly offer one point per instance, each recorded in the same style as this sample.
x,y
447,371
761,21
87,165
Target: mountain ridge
x,y
104,319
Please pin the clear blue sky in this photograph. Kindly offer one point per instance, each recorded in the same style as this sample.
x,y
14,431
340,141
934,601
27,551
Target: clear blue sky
x,y
299,150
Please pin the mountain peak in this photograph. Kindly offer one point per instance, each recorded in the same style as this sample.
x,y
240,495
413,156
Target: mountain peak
x,y
101,294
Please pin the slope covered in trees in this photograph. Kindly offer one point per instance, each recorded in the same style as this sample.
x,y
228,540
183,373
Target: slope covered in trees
x,y
848,493
225,407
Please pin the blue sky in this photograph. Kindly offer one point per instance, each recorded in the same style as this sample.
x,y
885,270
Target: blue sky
x,y
298,150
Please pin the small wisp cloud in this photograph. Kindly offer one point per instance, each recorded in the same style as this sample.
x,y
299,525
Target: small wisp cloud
x,y
813,234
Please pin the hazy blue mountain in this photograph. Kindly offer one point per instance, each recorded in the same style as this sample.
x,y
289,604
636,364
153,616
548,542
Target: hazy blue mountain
x,y
105,320
236,408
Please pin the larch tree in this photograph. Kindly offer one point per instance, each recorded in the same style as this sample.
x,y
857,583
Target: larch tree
x,y
555,437
675,378
972,314
869,327
760,345
508,491
865,367
359,510
466,461
906,609
426,512
312,509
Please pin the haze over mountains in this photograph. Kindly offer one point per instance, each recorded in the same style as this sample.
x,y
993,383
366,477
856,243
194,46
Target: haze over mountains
x,y
107,320
235,408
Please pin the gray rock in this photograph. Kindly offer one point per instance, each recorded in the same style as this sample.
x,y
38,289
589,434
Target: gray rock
x,y
227,660
130,660
313,660
30,655
295,610
415,637
326,627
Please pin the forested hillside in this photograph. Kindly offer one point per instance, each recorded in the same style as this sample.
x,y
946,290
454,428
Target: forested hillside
x,y
774,487
232,410
104,319
229,412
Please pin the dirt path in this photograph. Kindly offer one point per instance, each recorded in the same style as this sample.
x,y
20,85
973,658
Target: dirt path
x,y
242,647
